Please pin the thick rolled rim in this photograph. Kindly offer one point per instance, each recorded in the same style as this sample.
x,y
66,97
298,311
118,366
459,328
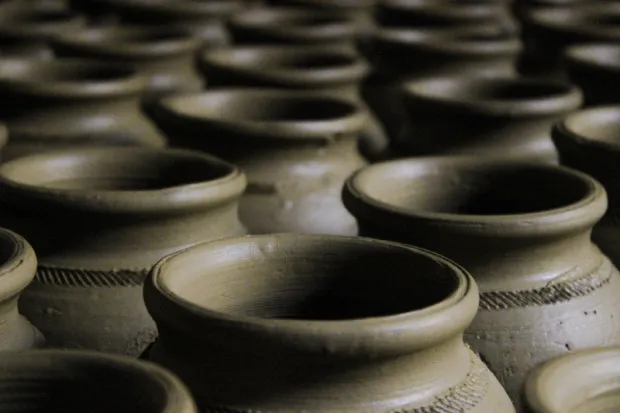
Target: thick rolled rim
x,y
189,9
571,128
18,264
581,20
596,56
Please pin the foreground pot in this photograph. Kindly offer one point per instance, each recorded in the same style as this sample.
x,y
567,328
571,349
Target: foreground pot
x,y
492,117
61,381
17,268
164,56
329,69
585,381
290,296
99,223
68,103
523,231
588,141
401,55
296,147
593,67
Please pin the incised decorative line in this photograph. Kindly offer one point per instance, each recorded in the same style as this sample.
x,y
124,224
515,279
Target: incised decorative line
x,y
84,278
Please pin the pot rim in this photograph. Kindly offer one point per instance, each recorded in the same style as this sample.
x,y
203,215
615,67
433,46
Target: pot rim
x,y
231,60
16,24
282,21
127,81
177,397
416,328
180,8
177,198
18,268
332,4
577,20
594,56
455,93
564,130
457,9
559,385
117,41
293,131
574,216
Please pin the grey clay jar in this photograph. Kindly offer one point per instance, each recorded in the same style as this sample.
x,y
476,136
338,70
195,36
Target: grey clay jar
x,y
166,57
594,67
18,264
99,219
490,117
582,382
271,324
588,141
72,103
296,147
81,381
41,25
523,231
330,69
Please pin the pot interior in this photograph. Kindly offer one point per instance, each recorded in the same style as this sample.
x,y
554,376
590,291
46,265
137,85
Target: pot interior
x,y
308,278
114,170
472,189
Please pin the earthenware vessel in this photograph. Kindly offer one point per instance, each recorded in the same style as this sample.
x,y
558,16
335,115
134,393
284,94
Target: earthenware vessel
x,y
39,24
15,46
128,207
296,147
164,56
84,381
280,25
490,117
69,102
594,67
400,55
17,267
523,230
392,343
329,69
548,31
584,381
204,19
588,141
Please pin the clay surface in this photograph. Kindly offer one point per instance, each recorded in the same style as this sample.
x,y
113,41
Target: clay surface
x,y
593,67
78,381
296,147
271,323
127,208
523,231
28,22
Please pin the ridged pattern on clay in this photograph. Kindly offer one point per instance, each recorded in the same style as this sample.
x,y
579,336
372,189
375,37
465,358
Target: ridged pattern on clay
x,y
84,278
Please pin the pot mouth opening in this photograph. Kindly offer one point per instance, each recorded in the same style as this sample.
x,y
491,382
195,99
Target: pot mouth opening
x,y
56,381
38,17
597,54
463,189
596,125
308,278
596,19
118,170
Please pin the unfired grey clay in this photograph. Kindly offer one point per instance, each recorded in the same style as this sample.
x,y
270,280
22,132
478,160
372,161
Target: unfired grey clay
x,y
594,67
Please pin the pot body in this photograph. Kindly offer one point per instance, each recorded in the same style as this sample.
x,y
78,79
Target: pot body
x,y
593,68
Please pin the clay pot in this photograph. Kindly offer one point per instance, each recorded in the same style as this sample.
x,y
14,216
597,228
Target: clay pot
x,y
14,46
164,56
292,26
327,69
588,141
271,323
548,31
39,24
523,230
296,147
81,381
97,12
99,219
401,55
203,19
594,68
585,381
492,117
18,264
69,102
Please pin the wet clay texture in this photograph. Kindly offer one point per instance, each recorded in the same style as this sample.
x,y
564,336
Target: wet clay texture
x,y
328,69
18,264
165,56
72,103
523,231
297,148
594,67
58,381
205,20
492,117
399,55
40,24
582,382
588,141
271,324
99,219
